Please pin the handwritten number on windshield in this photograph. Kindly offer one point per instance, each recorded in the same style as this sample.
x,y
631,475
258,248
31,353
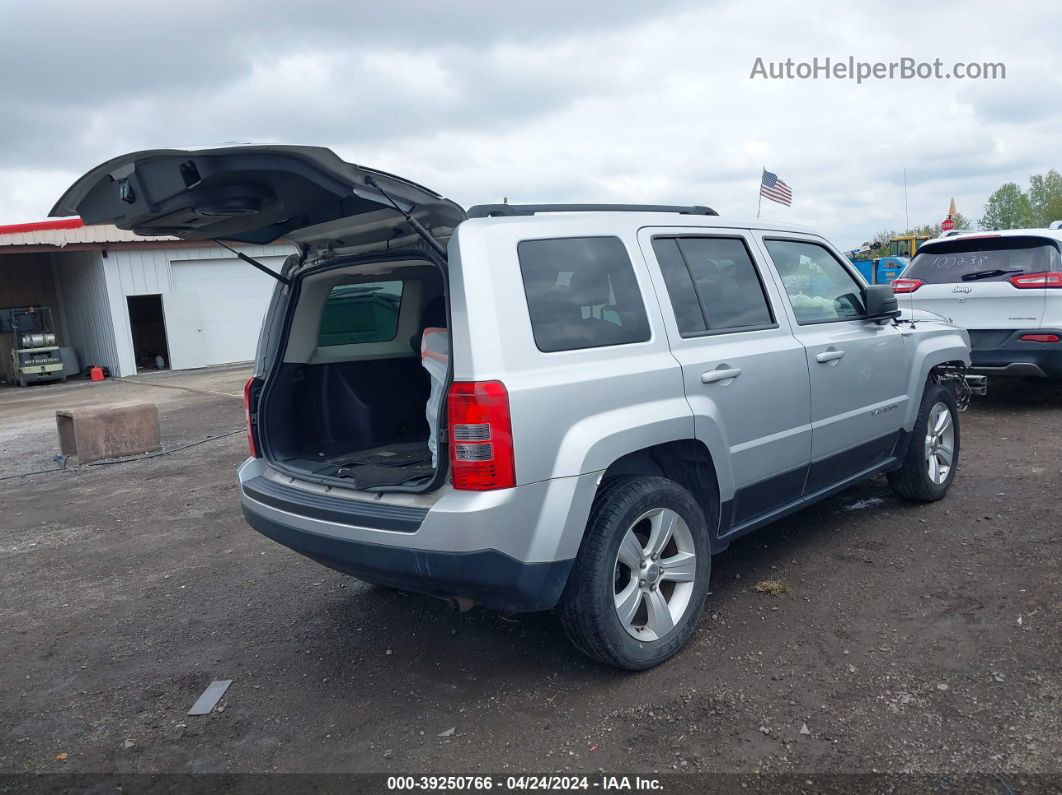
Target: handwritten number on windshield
x,y
950,261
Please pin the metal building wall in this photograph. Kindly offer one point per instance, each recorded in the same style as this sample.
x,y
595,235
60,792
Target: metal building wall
x,y
84,305
148,271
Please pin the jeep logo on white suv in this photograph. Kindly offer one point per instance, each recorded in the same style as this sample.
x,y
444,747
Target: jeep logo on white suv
x,y
961,289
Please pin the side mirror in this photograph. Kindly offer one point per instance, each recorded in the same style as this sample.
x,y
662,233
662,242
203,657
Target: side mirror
x,y
881,302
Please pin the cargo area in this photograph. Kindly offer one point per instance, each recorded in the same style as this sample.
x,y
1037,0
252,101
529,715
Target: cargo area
x,y
358,386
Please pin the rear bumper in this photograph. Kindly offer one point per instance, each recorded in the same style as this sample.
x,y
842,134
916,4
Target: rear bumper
x,y
1007,355
510,549
488,577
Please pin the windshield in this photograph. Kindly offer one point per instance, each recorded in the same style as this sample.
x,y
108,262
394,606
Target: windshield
x,y
899,248
983,259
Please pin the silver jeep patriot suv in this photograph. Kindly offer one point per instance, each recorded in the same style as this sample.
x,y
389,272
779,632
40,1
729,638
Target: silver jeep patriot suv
x,y
557,406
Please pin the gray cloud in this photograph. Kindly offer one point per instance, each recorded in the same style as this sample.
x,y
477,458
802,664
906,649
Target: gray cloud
x,y
541,101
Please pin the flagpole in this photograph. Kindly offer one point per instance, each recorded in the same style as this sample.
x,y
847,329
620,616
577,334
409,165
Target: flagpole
x,y
906,212
759,201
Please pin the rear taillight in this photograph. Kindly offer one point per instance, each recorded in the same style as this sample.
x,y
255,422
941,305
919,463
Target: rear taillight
x,y
1034,281
250,413
481,436
1041,338
906,285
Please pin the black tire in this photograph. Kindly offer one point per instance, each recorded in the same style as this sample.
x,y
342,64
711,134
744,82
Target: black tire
x,y
912,481
587,607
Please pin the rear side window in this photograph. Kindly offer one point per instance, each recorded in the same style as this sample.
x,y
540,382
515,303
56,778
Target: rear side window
x,y
581,293
983,259
359,313
820,288
712,283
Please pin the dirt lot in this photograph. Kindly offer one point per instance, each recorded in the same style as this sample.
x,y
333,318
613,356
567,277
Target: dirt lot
x,y
908,638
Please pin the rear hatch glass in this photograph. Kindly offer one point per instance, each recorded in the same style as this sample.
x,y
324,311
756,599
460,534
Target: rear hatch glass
x,y
983,259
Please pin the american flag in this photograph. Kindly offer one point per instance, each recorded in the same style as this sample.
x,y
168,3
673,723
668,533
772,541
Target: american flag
x,y
775,189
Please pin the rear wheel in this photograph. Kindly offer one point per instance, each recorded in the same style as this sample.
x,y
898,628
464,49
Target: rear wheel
x,y
932,456
639,582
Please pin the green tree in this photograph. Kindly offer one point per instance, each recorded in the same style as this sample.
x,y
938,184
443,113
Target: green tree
x,y
1054,210
928,230
1008,208
879,246
961,221
1045,197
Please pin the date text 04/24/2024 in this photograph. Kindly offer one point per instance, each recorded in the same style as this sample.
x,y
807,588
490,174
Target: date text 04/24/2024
x,y
547,783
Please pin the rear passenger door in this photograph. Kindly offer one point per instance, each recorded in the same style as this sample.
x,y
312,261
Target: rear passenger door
x,y
742,368
858,371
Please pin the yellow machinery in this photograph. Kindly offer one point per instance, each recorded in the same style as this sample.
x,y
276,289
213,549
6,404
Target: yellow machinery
x,y
906,245
33,354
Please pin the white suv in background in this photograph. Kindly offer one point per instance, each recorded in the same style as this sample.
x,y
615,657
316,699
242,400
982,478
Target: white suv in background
x,y
1004,287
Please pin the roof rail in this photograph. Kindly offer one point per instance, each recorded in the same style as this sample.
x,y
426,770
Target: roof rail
x,y
494,210
1055,225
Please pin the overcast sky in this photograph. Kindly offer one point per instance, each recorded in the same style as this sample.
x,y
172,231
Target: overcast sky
x,y
548,100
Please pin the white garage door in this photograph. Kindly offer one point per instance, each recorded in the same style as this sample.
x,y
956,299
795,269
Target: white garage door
x,y
214,310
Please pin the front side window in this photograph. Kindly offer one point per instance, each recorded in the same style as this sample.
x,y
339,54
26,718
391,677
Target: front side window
x,y
712,283
581,293
360,313
819,287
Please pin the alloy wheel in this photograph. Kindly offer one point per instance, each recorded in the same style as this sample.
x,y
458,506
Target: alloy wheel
x,y
940,443
656,566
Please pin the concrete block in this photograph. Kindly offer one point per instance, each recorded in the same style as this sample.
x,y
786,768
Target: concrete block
x,y
110,432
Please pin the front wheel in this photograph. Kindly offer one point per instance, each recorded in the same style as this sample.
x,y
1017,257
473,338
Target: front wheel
x,y
932,456
639,582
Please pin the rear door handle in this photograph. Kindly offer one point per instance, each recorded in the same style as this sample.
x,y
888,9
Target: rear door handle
x,y
725,374
828,356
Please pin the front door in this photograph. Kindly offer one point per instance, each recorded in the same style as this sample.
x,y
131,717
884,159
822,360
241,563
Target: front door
x,y
184,329
745,374
857,366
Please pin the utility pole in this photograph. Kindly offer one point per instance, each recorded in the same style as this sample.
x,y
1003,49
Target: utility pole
x,y
906,212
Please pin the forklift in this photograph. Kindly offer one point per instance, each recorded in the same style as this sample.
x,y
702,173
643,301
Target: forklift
x,y
906,246
34,354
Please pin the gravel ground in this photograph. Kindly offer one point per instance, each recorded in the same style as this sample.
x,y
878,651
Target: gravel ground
x,y
907,638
